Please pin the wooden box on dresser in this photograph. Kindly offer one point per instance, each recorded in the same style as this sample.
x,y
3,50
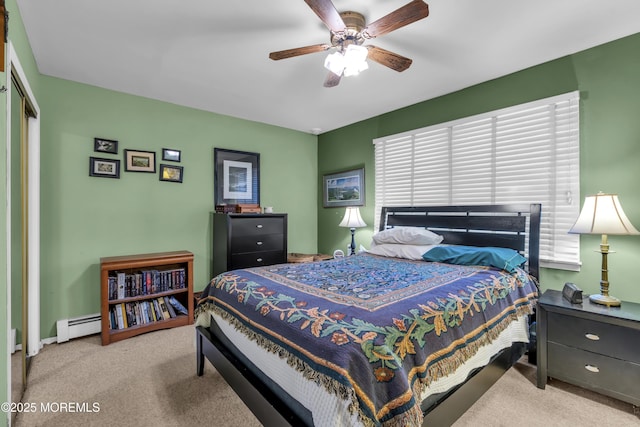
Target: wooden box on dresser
x,y
589,345
138,285
248,240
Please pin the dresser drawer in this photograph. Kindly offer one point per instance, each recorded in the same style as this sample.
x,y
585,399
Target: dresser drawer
x,y
256,226
594,336
263,242
257,259
248,240
600,373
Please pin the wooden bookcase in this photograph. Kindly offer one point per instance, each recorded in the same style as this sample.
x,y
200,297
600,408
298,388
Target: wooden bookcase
x,y
141,280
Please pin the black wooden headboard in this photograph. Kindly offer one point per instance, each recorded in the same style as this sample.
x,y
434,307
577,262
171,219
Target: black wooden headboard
x,y
509,226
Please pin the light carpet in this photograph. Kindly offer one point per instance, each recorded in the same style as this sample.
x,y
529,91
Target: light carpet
x,y
150,380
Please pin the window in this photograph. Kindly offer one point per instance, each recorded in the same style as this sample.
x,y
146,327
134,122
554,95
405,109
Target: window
x,y
523,154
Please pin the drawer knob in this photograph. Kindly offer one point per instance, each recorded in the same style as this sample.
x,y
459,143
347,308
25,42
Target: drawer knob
x,y
592,337
259,243
259,260
591,368
259,226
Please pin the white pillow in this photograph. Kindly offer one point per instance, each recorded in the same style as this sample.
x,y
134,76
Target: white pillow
x,y
397,250
407,236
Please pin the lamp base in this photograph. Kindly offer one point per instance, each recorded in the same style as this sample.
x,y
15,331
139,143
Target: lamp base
x,y
353,242
607,300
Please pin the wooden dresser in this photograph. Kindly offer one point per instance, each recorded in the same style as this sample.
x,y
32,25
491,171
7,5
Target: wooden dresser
x,y
248,240
590,345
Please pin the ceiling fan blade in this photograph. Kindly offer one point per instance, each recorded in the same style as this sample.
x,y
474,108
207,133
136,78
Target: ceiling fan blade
x,y
290,53
327,12
332,80
407,14
388,59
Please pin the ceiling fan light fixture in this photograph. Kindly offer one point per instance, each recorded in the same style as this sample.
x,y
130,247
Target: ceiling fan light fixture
x,y
355,60
355,53
335,62
350,63
348,31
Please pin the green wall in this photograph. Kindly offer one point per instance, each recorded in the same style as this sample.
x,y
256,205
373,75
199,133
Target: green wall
x,y
608,78
85,218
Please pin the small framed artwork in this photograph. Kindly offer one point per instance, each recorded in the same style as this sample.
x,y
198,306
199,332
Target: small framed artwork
x,y
343,189
236,177
171,155
171,173
102,145
104,168
140,161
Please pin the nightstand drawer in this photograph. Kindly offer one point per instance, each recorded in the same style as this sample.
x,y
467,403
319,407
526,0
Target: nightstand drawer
x,y
256,226
608,375
597,337
257,259
265,242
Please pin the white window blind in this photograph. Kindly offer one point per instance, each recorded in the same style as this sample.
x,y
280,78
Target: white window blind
x,y
528,153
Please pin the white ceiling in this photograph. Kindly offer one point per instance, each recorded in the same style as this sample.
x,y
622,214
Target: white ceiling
x,y
213,55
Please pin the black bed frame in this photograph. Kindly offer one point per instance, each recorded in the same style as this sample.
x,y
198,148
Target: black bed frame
x,y
511,226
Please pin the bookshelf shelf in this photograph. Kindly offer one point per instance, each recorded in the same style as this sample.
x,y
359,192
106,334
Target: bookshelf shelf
x,y
137,289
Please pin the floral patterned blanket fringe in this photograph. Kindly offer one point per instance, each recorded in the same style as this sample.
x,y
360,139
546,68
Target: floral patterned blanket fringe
x,y
411,418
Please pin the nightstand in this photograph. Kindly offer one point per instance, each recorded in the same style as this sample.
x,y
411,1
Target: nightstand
x,y
589,345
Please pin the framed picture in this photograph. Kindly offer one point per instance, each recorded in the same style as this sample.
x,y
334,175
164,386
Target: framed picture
x,y
171,155
140,161
104,168
236,177
343,189
170,173
102,145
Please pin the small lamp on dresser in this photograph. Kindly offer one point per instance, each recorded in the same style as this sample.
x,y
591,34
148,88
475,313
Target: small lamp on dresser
x,y
353,220
603,214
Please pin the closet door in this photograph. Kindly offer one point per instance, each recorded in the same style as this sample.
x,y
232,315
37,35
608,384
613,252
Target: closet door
x,y
23,221
19,193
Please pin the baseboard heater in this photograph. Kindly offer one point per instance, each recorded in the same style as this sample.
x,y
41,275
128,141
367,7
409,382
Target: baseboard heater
x,y
78,327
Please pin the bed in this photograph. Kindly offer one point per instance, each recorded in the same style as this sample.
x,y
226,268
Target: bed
x,y
324,343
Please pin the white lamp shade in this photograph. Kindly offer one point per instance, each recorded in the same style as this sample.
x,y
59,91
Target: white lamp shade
x,y
355,53
603,214
335,63
349,62
352,218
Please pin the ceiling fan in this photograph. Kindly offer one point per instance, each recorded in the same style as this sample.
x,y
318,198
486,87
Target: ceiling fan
x,y
348,31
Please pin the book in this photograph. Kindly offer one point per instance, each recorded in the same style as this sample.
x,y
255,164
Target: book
x,y
225,208
152,312
113,288
135,309
111,320
156,310
164,309
125,320
130,320
121,284
145,314
120,319
178,307
172,312
146,283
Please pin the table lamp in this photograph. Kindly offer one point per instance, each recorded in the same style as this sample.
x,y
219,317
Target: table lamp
x,y
603,214
353,220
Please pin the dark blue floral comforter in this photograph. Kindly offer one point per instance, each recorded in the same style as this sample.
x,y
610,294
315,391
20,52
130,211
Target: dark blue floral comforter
x,y
372,329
